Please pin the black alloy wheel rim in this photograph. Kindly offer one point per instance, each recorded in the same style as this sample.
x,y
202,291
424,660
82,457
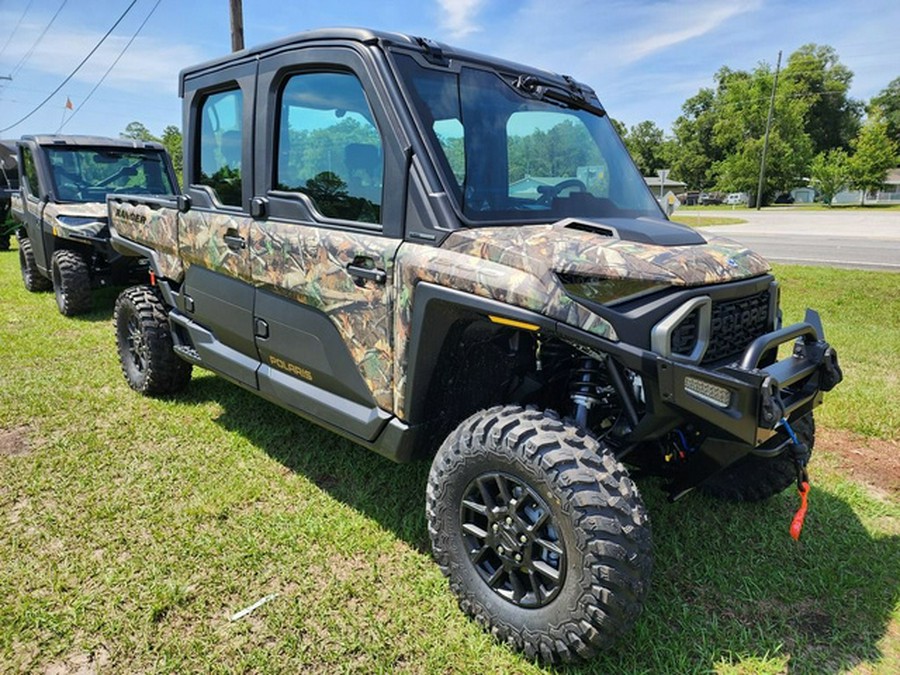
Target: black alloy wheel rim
x,y
512,539
137,347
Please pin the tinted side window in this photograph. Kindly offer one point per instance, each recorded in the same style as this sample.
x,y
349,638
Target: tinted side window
x,y
329,147
30,171
221,140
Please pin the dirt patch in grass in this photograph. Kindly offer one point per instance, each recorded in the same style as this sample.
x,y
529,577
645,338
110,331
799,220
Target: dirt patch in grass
x,y
14,442
868,460
81,663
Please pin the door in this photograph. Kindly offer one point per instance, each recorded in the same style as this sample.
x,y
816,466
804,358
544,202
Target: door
x,y
214,232
31,187
324,241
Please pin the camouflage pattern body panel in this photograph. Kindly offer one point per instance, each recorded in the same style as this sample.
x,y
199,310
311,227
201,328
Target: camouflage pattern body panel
x,y
201,241
518,266
16,208
156,228
536,289
92,213
549,248
309,265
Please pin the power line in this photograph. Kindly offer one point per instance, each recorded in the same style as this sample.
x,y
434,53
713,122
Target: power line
x,y
16,29
24,59
112,65
72,74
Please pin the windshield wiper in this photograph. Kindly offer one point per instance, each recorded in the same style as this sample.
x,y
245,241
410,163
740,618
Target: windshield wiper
x,y
573,97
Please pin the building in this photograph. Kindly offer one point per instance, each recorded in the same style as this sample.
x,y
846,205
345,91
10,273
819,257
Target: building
x,y
888,194
675,186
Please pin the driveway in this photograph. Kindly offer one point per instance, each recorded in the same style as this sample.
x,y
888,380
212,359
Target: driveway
x,y
855,239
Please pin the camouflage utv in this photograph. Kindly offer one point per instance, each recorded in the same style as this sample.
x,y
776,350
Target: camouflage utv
x,y
438,254
61,211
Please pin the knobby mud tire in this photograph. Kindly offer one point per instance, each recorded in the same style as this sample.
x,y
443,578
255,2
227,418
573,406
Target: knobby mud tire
x,y
755,479
71,279
598,515
144,343
33,280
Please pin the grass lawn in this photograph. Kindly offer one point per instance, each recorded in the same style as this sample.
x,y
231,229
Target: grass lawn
x,y
134,528
787,207
706,221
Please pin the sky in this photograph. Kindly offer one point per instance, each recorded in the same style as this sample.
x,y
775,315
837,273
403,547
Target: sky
x,y
644,58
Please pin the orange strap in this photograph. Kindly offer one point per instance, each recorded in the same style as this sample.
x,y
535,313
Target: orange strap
x,y
797,522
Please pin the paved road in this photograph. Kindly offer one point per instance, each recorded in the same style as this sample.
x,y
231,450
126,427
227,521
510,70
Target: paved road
x,y
856,239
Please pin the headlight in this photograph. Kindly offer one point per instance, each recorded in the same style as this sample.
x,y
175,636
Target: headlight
x,y
607,291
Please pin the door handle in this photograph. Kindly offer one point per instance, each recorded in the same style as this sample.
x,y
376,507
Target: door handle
x,y
360,271
234,241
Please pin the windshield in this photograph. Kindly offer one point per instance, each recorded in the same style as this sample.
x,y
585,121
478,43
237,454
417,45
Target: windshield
x,y
510,156
89,174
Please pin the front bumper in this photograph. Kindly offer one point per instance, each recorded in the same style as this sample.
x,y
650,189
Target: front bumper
x,y
747,400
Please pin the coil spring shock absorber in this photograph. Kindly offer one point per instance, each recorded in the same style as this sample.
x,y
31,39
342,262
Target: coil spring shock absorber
x,y
587,388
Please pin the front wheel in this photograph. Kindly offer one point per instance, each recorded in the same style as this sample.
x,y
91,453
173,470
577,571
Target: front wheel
x,y
144,343
71,282
541,532
754,478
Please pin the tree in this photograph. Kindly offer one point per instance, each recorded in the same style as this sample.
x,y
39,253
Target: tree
x,y
816,74
888,103
875,154
693,152
742,106
830,173
646,144
138,132
620,127
172,140
718,138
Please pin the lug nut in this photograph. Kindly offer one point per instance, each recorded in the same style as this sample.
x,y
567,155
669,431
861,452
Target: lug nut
x,y
509,520
495,527
523,539
518,557
501,550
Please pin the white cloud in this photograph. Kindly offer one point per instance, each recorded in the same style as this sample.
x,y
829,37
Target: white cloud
x,y
459,16
692,21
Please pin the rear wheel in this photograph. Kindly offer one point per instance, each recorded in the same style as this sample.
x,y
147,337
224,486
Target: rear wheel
x,y
541,532
34,281
71,282
753,478
144,343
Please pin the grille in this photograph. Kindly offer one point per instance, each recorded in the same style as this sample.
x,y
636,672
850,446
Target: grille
x,y
734,325
684,337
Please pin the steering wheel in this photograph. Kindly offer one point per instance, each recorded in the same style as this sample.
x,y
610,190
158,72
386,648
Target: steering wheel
x,y
549,192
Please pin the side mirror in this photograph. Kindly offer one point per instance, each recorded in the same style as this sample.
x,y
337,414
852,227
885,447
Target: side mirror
x,y
184,203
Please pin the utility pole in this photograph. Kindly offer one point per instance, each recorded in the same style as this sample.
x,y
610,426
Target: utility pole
x,y
237,25
762,163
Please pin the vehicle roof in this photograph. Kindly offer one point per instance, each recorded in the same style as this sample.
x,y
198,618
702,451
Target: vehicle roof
x,y
364,36
91,141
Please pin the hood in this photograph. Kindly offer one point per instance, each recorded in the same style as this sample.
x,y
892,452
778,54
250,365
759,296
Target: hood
x,y
650,250
86,219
